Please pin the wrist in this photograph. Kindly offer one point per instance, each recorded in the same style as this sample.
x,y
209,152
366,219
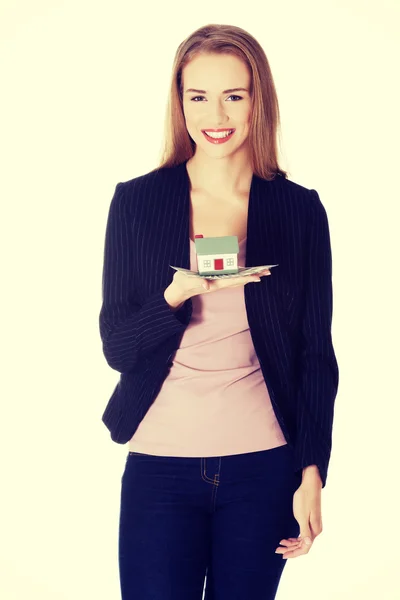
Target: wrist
x,y
311,474
173,297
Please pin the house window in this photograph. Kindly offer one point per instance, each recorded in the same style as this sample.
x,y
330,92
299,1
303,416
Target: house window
x,y
207,263
229,262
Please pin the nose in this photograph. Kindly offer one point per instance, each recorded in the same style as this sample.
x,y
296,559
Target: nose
x,y
217,111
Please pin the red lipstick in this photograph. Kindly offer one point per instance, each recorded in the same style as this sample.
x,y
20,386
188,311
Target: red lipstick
x,y
221,140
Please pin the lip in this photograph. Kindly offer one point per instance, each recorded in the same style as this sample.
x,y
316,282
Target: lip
x,y
216,130
218,141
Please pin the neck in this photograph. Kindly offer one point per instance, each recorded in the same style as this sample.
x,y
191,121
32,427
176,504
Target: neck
x,y
222,177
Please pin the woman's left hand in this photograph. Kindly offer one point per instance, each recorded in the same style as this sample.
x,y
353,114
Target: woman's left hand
x,y
307,511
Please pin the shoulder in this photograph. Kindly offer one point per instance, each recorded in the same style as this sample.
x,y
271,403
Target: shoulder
x,y
147,186
294,190
142,183
298,197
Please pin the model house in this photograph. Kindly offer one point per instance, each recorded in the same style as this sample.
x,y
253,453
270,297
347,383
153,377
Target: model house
x,y
217,255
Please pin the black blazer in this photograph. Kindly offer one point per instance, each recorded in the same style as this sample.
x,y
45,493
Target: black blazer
x,y
289,313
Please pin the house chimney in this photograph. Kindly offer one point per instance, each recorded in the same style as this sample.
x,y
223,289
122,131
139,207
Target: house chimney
x,y
200,235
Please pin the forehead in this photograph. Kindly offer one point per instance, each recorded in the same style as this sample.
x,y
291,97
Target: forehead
x,y
215,72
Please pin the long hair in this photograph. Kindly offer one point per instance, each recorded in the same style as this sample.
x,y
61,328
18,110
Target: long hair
x,y
178,146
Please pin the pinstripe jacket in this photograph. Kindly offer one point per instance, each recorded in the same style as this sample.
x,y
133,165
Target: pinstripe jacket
x,y
289,313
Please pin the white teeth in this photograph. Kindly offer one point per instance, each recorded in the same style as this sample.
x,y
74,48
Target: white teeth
x,y
218,134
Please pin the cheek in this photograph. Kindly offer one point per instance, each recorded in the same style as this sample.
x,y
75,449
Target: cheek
x,y
191,120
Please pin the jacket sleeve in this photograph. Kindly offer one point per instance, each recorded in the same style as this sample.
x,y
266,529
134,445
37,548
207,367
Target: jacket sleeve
x,y
130,330
318,369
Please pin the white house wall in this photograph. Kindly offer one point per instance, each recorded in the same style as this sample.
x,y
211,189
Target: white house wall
x,y
212,257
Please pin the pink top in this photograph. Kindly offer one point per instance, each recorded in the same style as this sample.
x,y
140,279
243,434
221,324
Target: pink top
x,y
214,401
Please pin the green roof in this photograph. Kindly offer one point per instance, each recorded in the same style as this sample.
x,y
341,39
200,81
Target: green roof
x,y
228,244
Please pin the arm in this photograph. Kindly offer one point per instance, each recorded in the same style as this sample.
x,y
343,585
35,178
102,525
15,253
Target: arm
x,y
130,330
319,374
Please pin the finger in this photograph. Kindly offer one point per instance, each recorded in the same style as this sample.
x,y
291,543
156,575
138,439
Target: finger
x,y
289,542
287,547
302,548
295,553
284,549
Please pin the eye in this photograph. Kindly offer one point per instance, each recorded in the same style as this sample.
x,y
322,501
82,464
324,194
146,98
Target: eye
x,y
231,96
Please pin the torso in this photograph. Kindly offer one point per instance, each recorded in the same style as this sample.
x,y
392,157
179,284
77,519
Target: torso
x,y
215,217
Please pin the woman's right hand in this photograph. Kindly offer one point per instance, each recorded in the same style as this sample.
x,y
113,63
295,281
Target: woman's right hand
x,y
191,286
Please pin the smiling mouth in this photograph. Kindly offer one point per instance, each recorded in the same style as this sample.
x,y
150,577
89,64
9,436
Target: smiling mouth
x,y
217,133
218,137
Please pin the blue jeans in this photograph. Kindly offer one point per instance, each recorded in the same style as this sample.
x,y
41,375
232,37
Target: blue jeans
x,y
187,521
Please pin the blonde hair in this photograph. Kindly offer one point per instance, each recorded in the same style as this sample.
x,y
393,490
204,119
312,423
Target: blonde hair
x,y
265,118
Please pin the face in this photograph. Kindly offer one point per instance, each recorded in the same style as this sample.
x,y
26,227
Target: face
x,y
213,105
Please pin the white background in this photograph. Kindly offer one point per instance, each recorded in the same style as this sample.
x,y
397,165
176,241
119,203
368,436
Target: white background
x,y
84,89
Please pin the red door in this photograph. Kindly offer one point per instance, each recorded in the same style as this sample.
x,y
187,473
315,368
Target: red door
x,y
218,264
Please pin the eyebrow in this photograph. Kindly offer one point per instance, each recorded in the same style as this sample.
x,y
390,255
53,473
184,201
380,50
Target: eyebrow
x,y
230,91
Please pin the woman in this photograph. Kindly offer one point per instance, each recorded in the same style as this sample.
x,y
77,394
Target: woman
x,y
227,390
